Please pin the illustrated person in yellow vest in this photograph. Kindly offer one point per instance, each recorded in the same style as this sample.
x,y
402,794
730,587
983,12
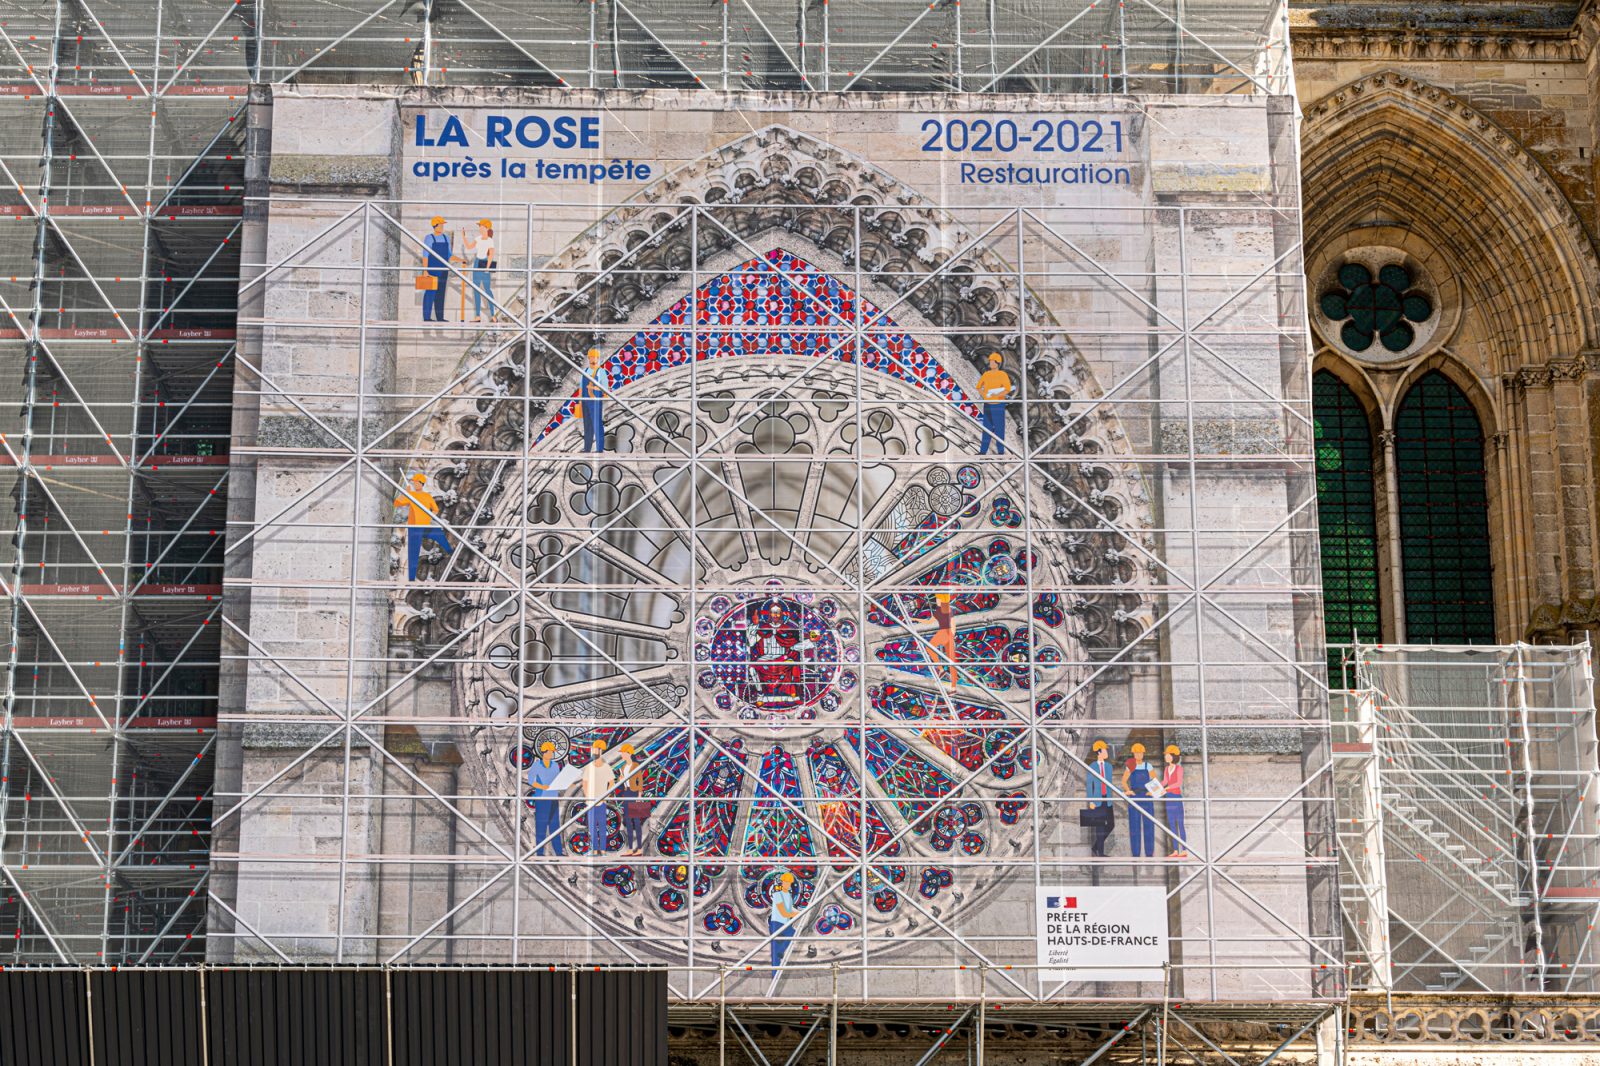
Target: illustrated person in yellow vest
x,y
592,390
994,388
421,508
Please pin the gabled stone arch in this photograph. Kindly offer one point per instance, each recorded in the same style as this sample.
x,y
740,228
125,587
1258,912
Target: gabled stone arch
x,y
899,246
1389,148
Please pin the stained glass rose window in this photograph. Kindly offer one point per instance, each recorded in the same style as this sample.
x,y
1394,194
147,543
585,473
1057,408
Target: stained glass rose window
x,y
1384,309
757,626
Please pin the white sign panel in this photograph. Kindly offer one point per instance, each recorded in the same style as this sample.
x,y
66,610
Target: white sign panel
x,y
1101,934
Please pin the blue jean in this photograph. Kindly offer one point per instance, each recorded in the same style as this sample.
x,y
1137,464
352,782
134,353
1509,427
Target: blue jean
x,y
994,428
483,283
783,934
594,428
1142,827
1175,824
415,535
433,300
546,821
596,820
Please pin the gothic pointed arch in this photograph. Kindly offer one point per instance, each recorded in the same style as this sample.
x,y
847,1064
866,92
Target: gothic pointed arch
x,y
1394,153
1444,514
1347,516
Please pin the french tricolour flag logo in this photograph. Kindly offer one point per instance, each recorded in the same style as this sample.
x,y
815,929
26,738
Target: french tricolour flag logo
x,y
1055,902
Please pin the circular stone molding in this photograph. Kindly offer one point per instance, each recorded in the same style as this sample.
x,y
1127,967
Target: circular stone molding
x,y
1376,304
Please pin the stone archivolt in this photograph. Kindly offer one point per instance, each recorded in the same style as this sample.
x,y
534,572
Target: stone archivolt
x,y
1392,153
1394,147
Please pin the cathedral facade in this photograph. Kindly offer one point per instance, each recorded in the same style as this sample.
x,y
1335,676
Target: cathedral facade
x,y
1450,226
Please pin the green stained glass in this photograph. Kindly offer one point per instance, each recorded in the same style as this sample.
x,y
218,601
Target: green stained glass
x,y
1444,516
1347,520
1380,310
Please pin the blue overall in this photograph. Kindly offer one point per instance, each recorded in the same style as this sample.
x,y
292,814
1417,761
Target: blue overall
x,y
438,245
415,535
599,829
589,395
993,417
1174,805
1142,812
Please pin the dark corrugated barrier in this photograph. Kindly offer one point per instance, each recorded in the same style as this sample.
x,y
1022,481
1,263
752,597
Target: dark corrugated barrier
x,y
492,1017
43,1018
332,1017
145,1016
313,1017
622,1018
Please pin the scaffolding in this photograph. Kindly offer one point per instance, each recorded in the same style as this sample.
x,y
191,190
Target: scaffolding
x,y
124,173
1467,788
793,335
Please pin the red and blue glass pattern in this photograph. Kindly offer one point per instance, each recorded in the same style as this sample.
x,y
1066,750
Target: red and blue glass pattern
x,y
776,306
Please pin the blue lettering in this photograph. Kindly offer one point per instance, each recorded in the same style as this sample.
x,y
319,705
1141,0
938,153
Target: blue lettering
x,y
566,128
537,140
495,132
452,133
589,132
422,132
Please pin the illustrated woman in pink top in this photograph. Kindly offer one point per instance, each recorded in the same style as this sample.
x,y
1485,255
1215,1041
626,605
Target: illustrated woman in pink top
x,y
1172,793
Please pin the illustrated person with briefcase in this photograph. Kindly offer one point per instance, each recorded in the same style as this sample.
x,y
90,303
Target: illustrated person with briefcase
x,y
1099,816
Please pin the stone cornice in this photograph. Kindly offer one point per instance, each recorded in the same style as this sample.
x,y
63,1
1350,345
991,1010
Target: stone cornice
x,y
1409,43
1554,619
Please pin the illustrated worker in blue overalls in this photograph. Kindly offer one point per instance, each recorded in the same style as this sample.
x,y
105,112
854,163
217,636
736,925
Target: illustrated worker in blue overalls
x,y
420,508
1137,779
438,245
592,390
994,386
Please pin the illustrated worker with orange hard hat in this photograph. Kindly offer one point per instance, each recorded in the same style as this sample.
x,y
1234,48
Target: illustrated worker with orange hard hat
x,y
542,775
438,266
592,389
1138,780
420,507
1172,791
780,923
1101,817
994,388
944,637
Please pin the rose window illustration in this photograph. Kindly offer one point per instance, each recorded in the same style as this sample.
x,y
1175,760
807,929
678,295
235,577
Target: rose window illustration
x,y
1384,309
807,623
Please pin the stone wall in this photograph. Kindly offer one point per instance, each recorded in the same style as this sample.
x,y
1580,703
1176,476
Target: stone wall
x,y
1462,138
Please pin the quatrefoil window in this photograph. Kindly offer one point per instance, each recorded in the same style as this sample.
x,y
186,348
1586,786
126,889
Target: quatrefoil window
x,y
1384,309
